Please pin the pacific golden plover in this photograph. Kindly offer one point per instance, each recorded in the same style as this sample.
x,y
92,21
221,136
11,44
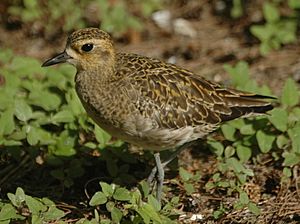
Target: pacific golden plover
x,y
147,102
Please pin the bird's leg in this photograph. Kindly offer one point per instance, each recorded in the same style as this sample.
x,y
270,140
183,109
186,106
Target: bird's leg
x,y
166,162
159,169
160,176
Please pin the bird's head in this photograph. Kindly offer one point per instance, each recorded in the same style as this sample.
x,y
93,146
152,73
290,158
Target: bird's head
x,y
86,49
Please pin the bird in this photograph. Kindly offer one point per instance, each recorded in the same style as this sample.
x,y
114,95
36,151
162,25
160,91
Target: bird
x,y
147,102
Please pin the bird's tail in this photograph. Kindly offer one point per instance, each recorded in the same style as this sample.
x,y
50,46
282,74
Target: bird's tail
x,y
243,104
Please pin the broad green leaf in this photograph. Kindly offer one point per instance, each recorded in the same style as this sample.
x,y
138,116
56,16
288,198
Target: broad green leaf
x,y
234,164
243,152
116,215
291,159
18,198
53,214
253,208
189,188
265,47
229,151
8,212
239,73
228,132
98,198
281,141
154,203
101,136
110,205
108,189
271,13
121,194
287,172
36,219
184,174
45,99
265,141
22,110
145,188
63,116
148,213
237,123
279,118
244,199
294,4
261,32
32,135
7,123
216,147
65,144
34,205
294,134
247,129
290,93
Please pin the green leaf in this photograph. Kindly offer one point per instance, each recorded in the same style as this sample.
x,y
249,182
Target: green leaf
x,y
45,99
189,188
7,123
145,188
247,129
65,144
290,93
229,151
271,13
18,198
184,174
265,141
253,208
279,118
228,132
216,147
64,116
290,159
148,213
294,4
154,203
32,135
282,141
243,152
22,110
101,136
108,189
116,215
262,33
53,214
110,205
244,199
122,194
8,212
34,205
239,73
294,134
98,198
234,164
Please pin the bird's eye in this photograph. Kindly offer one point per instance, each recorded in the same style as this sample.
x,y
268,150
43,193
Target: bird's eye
x,y
87,47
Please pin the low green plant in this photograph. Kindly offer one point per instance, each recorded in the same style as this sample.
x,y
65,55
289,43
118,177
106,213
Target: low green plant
x,y
22,207
113,16
247,139
123,205
277,30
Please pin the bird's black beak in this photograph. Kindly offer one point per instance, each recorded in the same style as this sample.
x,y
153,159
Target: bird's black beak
x,y
60,58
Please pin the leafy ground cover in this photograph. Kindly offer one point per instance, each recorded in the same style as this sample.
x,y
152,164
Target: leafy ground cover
x,y
57,166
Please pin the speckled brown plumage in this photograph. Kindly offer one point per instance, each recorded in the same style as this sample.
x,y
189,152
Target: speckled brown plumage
x,y
148,102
